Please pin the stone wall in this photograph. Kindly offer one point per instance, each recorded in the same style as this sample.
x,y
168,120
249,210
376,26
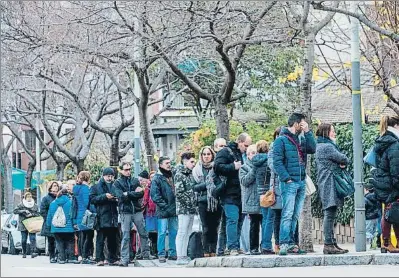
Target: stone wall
x,y
343,233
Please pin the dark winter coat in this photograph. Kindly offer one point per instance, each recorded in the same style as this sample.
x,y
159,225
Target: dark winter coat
x,y
201,189
286,161
129,204
224,166
249,189
328,159
66,205
386,176
372,205
107,209
81,192
262,172
44,208
163,195
23,213
185,198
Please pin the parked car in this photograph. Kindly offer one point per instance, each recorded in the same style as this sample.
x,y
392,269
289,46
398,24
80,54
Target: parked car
x,y
11,237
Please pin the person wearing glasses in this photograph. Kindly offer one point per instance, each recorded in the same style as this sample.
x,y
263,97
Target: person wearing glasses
x,y
44,208
128,192
185,205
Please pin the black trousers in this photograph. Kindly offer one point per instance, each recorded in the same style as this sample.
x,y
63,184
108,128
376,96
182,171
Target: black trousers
x,y
65,246
109,235
254,229
85,243
277,222
210,222
51,247
24,240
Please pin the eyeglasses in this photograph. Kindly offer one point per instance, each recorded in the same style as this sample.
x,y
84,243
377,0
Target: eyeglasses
x,y
126,170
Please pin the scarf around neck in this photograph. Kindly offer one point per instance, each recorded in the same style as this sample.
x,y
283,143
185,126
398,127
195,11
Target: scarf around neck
x,y
166,173
28,204
326,140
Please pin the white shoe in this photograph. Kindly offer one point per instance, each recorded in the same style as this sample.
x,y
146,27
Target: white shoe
x,y
181,261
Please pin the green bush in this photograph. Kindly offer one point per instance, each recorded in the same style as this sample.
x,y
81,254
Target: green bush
x,y
345,143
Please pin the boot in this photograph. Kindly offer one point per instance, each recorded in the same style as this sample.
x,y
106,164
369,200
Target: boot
x,y
388,247
330,249
34,253
340,249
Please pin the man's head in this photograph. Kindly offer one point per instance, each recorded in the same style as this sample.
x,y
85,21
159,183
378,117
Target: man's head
x,y
108,174
164,163
126,169
244,141
188,160
295,122
219,144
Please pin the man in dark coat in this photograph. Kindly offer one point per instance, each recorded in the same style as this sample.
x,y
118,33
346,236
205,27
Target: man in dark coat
x,y
228,162
129,192
102,195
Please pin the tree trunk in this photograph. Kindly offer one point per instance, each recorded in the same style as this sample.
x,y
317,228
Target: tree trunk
x,y
114,150
79,165
7,184
148,137
305,227
222,120
61,170
29,173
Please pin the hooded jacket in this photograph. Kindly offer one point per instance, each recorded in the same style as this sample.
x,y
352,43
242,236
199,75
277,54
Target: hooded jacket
x,y
66,204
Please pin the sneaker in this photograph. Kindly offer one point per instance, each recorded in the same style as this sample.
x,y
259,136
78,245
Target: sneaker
x,y
116,263
296,250
73,262
162,259
181,261
61,262
100,263
234,252
24,256
53,260
172,258
147,257
86,261
255,252
283,250
374,243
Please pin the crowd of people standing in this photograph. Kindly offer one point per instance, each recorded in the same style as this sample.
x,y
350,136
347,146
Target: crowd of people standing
x,y
223,184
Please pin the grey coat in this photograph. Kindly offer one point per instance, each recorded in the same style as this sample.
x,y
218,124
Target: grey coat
x,y
328,157
249,189
274,181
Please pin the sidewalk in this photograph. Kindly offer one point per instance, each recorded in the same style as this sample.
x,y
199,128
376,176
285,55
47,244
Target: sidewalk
x,y
370,257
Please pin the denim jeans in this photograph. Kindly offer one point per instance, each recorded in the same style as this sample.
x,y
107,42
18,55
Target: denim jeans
x,y
183,233
328,224
170,225
233,215
268,216
293,198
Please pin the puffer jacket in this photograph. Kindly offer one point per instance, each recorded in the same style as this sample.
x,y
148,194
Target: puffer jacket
x,y
44,208
372,205
386,175
185,198
163,195
66,205
129,204
107,209
249,189
23,213
81,192
200,187
262,172
224,166
286,159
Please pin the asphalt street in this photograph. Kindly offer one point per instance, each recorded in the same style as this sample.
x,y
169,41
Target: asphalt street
x,y
15,266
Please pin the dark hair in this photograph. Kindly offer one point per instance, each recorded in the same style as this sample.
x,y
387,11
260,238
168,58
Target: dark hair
x,y
162,159
277,133
63,191
125,163
295,118
387,121
323,130
262,146
53,184
187,156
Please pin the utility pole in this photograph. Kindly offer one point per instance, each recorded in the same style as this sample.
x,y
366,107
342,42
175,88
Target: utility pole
x,y
38,166
360,217
137,93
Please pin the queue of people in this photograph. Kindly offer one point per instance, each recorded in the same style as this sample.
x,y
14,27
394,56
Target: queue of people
x,y
226,183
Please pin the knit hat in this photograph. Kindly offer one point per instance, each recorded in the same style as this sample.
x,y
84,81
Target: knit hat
x,y
27,194
108,171
144,175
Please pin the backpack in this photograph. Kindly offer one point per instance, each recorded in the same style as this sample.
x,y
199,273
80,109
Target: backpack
x,y
195,248
59,219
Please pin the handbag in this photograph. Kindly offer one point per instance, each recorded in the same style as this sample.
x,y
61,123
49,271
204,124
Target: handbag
x,y
371,158
392,213
33,224
343,183
89,219
310,187
268,199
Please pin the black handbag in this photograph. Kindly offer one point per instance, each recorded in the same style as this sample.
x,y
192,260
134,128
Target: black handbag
x,y
343,183
392,213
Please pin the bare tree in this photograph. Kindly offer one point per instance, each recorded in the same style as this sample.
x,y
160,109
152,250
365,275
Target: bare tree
x,y
6,171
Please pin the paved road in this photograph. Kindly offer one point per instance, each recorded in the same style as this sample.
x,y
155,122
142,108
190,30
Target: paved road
x,y
15,266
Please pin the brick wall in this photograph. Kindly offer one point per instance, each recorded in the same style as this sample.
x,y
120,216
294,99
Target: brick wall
x,y
343,233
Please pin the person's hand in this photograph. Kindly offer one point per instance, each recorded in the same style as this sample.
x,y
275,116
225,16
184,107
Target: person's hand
x,y
304,125
75,227
138,189
290,181
343,166
237,165
124,193
109,196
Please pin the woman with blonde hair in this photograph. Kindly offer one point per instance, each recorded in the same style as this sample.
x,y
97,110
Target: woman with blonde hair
x,y
386,177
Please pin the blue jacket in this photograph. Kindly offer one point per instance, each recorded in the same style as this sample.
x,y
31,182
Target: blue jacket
x,y
82,193
262,173
66,204
286,161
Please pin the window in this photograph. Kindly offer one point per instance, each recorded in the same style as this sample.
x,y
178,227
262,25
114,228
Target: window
x,y
14,160
30,139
